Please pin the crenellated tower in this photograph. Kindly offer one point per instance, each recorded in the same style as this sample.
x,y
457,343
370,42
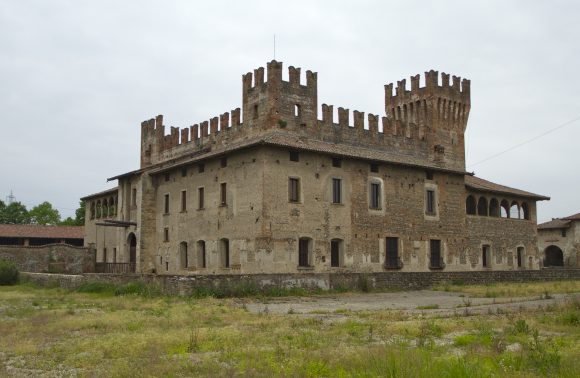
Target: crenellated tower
x,y
438,112
275,102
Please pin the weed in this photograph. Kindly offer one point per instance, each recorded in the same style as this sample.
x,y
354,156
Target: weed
x,y
466,302
193,344
520,327
428,307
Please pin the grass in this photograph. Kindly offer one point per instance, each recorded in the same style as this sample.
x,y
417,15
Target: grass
x,y
133,330
513,289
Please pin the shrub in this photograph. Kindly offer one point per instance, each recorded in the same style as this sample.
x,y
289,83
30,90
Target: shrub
x,y
8,273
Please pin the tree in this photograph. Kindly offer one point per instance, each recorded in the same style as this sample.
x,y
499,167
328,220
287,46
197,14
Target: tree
x,y
14,213
68,222
80,214
44,214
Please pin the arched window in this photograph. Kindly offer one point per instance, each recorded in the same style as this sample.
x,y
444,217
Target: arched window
x,y
505,209
201,261
470,205
304,252
482,206
92,210
105,210
514,210
525,211
183,258
112,207
224,249
336,253
99,209
493,208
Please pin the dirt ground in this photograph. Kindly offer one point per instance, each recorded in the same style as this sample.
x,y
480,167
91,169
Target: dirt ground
x,y
446,303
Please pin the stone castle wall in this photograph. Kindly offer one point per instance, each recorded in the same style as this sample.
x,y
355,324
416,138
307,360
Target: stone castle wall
x,y
55,258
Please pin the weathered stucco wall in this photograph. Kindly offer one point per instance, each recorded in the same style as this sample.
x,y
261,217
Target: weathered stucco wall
x,y
569,244
55,258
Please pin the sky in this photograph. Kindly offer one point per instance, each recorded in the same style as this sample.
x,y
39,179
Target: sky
x,y
78,77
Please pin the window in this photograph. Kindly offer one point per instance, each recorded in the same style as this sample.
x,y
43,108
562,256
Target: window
x,y
375,196
486,256
563,232
470,205
166,234
115,255
520,256
104,254
482,206
201,168
293,189
304,252
166,204
201,263
429,175
430,203
223,194
435,254
183,200
374,167
200,193
336,190
183,172
297,110
335,253
134,197
294,156
167,176
183,255
225,253
224,162
255,111
337,162
392,253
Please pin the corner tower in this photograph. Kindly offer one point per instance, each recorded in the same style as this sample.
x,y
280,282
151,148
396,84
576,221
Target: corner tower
x,y
440,112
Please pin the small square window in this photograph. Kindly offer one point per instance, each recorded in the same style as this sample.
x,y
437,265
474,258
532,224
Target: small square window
x,y
337,162
201,168
167,176
224,162
374,167
563,233
294,156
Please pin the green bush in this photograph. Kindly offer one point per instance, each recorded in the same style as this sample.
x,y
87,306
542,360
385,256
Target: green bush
x,y
8,273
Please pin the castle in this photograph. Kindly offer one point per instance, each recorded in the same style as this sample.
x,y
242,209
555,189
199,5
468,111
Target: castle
x,y
270,188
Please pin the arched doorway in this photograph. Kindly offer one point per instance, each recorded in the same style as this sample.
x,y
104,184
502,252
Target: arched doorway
x,y
553,256
132,241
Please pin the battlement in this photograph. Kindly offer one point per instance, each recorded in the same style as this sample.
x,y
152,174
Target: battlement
x,y
426,122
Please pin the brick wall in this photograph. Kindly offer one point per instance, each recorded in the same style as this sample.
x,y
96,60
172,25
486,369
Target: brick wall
x,y
56,258
185,285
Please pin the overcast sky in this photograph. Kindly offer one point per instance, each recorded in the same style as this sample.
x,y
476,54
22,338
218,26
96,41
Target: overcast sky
x,y
78,77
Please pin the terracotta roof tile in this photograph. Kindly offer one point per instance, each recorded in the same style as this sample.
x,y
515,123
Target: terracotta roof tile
x,y
554,223
574,217
480,184
102,193
38,231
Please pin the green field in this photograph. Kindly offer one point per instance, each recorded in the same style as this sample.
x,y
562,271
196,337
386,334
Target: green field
x,y
137,332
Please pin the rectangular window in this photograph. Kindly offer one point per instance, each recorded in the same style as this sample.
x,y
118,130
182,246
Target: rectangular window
x,y
563,233
374,167
429,175
183,200
224,162
166,204
166,234
435,251
293,189
335,253
392,252
134,197
375,196
200,194
104,254
201,168
520,252
336,190
223,194
485,256
183,172
167,176
303,246
337,162
294,156
430,202
114,255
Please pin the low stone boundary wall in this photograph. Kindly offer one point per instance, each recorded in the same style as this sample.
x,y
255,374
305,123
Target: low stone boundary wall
x,y
187,285
50,258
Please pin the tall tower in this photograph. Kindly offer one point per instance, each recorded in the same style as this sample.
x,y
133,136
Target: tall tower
x,y
439,112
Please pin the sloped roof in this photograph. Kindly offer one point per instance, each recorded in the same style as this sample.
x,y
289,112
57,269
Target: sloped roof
x,y
574,217
480,184
554,224
102,193
38,231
